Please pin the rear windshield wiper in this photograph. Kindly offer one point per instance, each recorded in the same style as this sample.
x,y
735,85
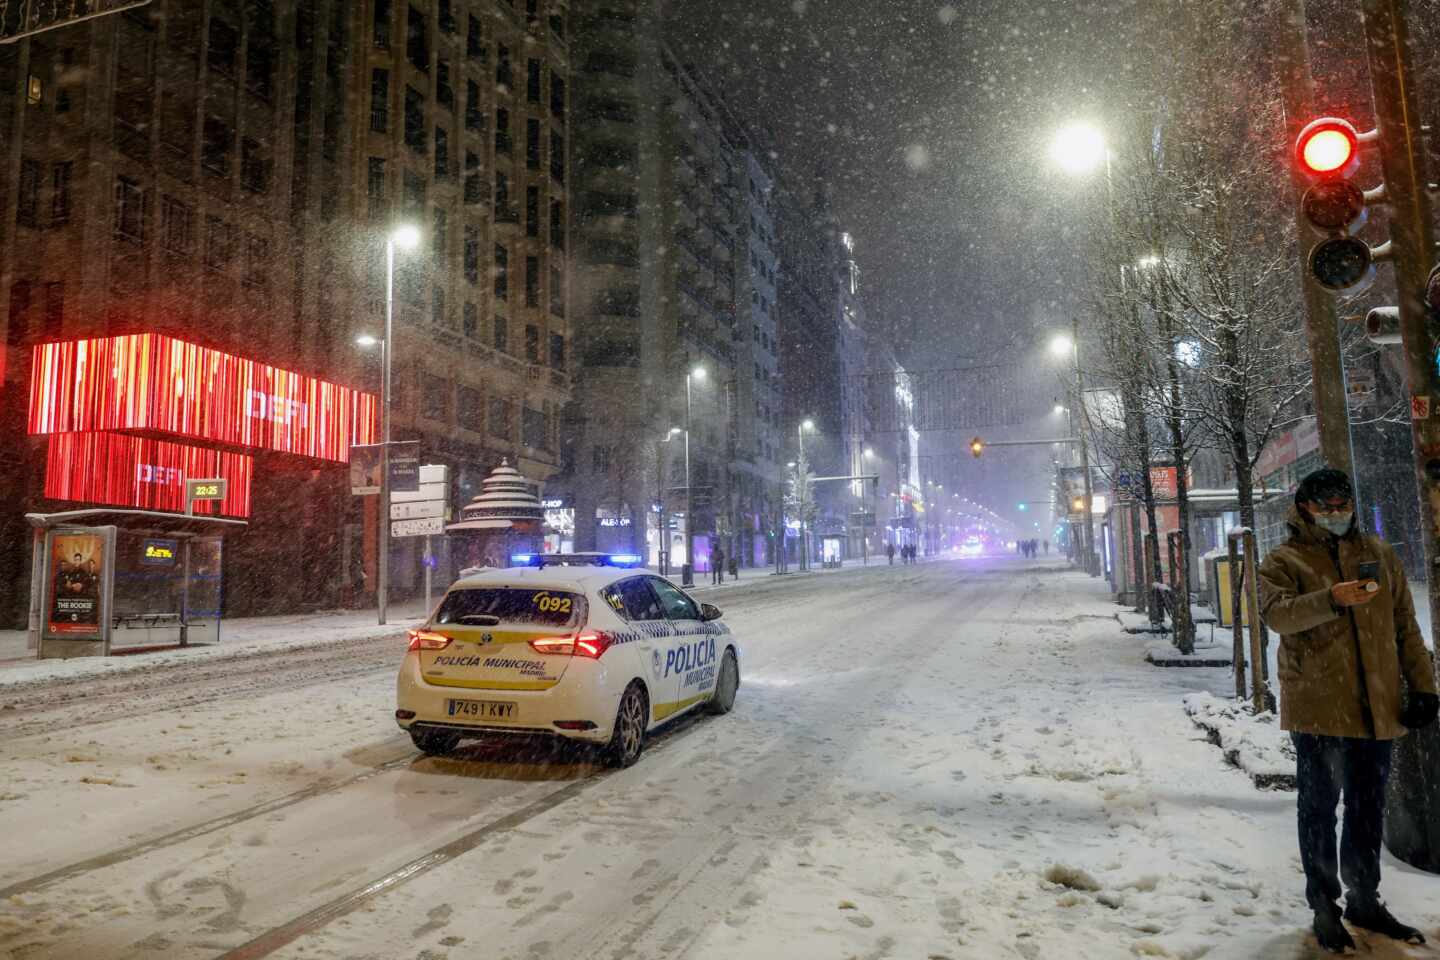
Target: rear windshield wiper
x,y
479,619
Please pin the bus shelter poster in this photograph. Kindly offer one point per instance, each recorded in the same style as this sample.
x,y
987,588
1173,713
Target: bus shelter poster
x,y
77,573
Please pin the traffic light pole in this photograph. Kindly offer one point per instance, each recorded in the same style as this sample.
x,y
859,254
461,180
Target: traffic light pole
x,y
1321,331
1412,828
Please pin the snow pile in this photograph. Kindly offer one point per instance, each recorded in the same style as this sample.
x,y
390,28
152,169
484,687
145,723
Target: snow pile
x,y
1255,744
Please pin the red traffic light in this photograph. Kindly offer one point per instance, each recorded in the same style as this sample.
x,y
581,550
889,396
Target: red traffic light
x,y
1328,147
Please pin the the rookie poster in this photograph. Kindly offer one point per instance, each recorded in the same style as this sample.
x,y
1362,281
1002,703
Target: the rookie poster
x,y
76,564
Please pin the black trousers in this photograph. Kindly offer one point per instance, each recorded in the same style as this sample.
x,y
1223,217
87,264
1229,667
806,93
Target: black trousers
x,y
1326,768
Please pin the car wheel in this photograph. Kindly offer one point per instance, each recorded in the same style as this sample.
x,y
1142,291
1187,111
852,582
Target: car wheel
x,y
434,742
725,685
628,738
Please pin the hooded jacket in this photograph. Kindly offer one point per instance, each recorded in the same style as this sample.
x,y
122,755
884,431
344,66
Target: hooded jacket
x,y
1340,668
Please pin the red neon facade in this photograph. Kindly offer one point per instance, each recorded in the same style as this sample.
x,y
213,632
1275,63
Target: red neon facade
x,y
151,382
139,472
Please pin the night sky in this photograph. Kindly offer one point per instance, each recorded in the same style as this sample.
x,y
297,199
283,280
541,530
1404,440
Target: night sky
x,y
933,121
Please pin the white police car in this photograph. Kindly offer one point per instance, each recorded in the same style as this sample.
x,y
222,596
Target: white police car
x,y
584,646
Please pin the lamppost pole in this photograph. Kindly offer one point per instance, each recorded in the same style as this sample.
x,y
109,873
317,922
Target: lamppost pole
x,y
687,572
1091,557
382,593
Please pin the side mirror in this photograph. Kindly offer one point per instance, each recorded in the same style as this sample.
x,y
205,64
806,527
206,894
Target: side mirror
x,y
708,612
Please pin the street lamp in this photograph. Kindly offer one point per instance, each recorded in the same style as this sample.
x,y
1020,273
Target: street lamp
x,y
1059,345
405,237
662,545
1079,148
687,572
802,490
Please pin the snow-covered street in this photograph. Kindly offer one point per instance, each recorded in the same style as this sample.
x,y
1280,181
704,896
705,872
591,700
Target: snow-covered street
x,y
956,759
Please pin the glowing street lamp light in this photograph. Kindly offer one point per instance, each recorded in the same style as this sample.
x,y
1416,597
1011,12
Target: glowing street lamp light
x,y
1078,149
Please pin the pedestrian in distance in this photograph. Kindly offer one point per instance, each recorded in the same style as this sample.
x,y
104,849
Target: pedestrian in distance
x,y
1047,548
1349,646
890,553
717,566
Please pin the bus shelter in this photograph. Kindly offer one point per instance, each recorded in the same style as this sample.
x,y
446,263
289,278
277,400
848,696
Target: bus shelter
x,y
113,581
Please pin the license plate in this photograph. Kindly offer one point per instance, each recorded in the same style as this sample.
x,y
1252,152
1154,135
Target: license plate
x,y
482,709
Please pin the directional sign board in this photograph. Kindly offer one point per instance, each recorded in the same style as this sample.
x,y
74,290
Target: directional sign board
x,y
426,491
417,510
423,527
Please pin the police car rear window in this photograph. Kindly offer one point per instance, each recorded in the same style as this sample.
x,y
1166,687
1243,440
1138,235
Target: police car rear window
x,y
493,607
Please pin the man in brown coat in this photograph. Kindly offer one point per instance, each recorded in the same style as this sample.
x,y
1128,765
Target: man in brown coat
x,y
1341,603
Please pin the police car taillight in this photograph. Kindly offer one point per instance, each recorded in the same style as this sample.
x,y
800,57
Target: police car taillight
x,y
559,646
591,643
425,640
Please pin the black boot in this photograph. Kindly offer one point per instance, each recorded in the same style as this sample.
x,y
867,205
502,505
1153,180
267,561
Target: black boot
x,y
1372,915
1331,932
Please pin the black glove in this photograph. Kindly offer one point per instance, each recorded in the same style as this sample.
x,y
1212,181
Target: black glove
x,y
1420,711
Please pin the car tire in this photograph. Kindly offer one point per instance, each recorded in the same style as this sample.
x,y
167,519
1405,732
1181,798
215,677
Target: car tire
x,y
627,740
434,743
723,700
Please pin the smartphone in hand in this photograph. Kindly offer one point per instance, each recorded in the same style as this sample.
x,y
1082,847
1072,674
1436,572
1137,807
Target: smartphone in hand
x,y
1370,573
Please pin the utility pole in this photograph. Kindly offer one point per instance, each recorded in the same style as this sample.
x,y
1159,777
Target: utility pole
x,y
1412,827
1321,331
1092,564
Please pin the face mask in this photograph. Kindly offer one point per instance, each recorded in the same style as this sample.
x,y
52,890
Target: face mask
x,y
1336,523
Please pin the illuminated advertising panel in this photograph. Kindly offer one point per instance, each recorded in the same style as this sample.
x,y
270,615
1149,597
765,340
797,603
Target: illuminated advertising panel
x,y
130,471
151,382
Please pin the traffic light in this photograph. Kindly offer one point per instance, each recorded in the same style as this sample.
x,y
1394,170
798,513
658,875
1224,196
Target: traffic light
x,y
1327,152
977,447
1022,506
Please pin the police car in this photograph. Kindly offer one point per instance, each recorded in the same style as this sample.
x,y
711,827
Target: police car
x,y
584,646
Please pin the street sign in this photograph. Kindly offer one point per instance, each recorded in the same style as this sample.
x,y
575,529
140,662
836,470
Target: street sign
x,y
417,509
423,527
424,491
404,465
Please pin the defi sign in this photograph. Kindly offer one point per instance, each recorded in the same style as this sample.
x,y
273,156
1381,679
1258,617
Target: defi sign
x,y
156,383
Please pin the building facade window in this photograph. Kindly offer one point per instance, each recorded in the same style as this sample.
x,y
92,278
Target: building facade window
x,y
414,120
215,147
380,34
177,226
474,117
471,320
532,144
129,210
442,154
557,96
502,273
444,92
379,100
437,311
557,224
472,254
27,208
501,331
474,186
219,243
475,41
557,352
532,211
438,231
417,41
503,74
532,80
224,45
60,192
532,343
432,398
500,419
503,142
557,292
532,284
557,157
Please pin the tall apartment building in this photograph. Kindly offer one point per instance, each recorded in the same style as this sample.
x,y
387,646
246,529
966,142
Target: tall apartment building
x,y
811,323
661,263
214,181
